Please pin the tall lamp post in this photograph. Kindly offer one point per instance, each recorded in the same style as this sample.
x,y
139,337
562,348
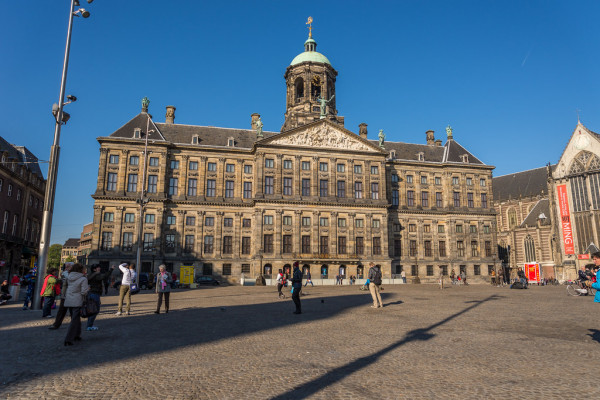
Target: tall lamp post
x,y
60,119
143,200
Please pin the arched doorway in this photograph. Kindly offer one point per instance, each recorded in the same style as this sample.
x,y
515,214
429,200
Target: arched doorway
x,y
267,270
287,270
305,269
324,271
360,271
342,271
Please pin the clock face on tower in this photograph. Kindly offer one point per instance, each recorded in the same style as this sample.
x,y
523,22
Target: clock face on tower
x,y
582,142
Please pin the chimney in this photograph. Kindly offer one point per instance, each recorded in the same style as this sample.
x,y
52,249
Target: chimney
x,y
362,130
254,117
430,138
170,116
438,142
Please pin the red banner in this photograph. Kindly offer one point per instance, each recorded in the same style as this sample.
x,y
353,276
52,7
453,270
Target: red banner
x,y
532,272
565,219
583,256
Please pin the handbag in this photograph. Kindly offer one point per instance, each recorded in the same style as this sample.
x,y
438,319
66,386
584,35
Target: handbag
x,y
133,287
89,307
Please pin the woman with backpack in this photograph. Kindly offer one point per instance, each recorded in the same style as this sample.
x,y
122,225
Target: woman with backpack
x,y
77,289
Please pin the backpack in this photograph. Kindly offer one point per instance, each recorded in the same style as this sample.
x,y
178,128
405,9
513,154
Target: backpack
x,y
377,276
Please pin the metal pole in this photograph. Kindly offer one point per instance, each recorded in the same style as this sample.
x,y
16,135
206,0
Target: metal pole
x,y
52,174
138,258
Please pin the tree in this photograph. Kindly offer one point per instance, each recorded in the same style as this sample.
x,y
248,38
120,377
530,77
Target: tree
x,y
54,253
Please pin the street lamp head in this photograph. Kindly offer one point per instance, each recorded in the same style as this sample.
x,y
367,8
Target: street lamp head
x,y
84,13
71,97
90,1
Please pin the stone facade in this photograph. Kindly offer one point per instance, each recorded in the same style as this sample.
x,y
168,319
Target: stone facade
x,y
70,251
85,243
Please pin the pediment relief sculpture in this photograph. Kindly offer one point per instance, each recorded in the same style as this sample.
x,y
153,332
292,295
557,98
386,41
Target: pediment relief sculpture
x,y
323,136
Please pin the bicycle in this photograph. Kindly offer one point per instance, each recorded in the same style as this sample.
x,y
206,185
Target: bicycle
x,y
577,288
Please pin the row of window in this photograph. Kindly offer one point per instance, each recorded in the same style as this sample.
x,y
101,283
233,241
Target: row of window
x,y
439,199
429,270
428,250
33,178
33,201
438,180
441,228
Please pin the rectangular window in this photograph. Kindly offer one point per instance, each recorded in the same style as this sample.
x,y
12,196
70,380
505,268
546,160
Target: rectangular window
x,y
268,244
171,220
323,221
473,228
227,245
245,268
229,188
427,247
342,245
113,159
459,229
226,269
211,166
109,217
358,190
342,222
305,221
287,220
410,197
189,243
106,240
269,163
482,182
488,248
246,223
484,200
247,190
442,248
460,248
127,241
323,166
193,166
412,248
5,223
414,270
153,162
455,180
287,186
134,160
111,183
374,170
412,227
190,221
397,247
174,164
470,202
192,187
173,183
209,221
287,164
441,228
456,198
394,178
228,222
208,244
269,184
152,183
358,169
469,182
429,270
427,228
149,218
148,241
132,180
424,199
306,165
19,194
287,244
397,227
486,229
374,190
247,169
246,245
229,168
395,197
341,168
341,189
375,223
360,245
305,187
376,246
423,180
305,244
476,270
129,217
438,199
359,223
268,220
211,188
323,187
409,179
324,245
438,180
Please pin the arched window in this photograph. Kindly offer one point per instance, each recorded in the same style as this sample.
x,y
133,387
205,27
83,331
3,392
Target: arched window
x,y
315,87
267,269
512,218
324,271
529,249
299,86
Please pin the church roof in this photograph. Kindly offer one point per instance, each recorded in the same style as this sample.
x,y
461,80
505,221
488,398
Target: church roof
x,y
310,54
541,207
451,152
529,183
71,242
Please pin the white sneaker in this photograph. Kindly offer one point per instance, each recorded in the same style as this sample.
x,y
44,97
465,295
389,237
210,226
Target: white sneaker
x,y
127,313
118,313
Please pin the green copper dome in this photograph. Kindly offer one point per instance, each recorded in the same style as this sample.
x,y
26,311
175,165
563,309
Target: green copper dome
x,y
310,54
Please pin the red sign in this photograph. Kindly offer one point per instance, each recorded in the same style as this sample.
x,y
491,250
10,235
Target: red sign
x,y
583,256
532,272
565,219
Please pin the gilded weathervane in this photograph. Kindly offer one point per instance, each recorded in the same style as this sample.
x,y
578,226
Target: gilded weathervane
x,y
309,23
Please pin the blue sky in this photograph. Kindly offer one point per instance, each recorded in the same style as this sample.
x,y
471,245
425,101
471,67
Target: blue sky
x,y
507,75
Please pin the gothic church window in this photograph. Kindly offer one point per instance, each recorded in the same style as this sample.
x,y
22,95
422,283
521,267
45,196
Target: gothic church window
x,y
529,249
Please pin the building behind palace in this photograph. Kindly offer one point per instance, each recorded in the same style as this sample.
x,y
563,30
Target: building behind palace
x,y
243,201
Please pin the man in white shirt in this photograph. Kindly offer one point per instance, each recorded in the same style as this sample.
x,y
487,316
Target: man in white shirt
x,y
129,276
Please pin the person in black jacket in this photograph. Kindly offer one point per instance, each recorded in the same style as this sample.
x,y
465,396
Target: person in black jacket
x,y
96,281
297,287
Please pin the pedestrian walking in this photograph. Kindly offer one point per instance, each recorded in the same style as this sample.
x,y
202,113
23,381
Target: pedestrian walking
x,y
96,281
279,281
77,289
297,287
62,310
403,276
163,287
463,277
441,276
48,293
29,280
308,279
129,276
375,280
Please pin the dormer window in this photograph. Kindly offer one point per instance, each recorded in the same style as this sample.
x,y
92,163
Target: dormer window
x,y
421,156
195,139
230,142
393,154
137,133
465,158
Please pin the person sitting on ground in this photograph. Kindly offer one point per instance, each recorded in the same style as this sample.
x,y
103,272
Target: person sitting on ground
x,y
5,295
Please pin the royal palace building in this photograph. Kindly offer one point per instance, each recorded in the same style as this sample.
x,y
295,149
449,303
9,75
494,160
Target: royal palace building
x,y
247,201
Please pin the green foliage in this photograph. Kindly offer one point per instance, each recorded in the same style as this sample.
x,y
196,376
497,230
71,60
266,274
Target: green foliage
x,y
54,253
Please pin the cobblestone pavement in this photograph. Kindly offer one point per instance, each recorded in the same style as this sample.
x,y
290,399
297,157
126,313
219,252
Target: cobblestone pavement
x,y
243,343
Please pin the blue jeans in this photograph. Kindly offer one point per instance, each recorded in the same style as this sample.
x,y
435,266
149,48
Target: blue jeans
x,y
47,310
96,298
